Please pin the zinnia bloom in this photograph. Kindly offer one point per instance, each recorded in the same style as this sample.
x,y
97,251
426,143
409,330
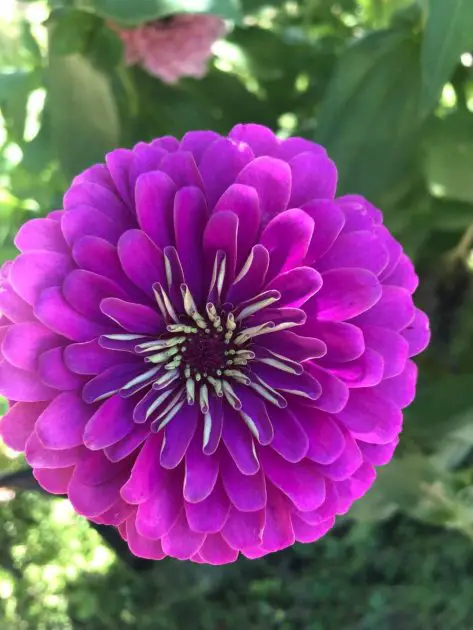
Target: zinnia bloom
x,y
174,47
205,348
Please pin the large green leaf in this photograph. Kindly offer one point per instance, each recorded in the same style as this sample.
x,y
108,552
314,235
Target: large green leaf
x,y
83,114
448,33
369,120
136,11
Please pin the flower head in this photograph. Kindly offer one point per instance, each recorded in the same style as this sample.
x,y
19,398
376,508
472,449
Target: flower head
x,y
207,349
173,47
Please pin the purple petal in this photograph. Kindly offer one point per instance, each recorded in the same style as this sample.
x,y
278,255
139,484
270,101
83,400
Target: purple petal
x,y
154,196
182,169
366,371
347,463
243,529
34,271
287,238
251,277
190,218
400,389
395,310
329,221
238,440
221,235
378,454
221,164
100,198
54,312
246,492
356,249
91,501
54,481
334,391
118,163
215,551
22,386
255,408
201,471
128,444
344,342
272,180
156,516
304,385
112,421
23,343
135,318
345,293
242,201
18,423
278,532
305,533
85,290
326,441
209,516
147,476
197,142
181,542
293,146
313,177
62,423
84,220
178,435
41,234
417,333
393,348
394,250
13,306
370,417
110,381
301,482
141,260
296,286
294,346
290,439
326,510
403,275
216,413
38,456
53,371
141,546
262,140
89,357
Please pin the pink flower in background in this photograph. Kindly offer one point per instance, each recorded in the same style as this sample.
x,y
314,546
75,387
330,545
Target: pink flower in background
x,y
174,47
206,348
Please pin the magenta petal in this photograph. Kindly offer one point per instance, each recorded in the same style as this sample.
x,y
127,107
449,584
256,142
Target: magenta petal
x,y
181,541
272,180
250,279
16,384
403,275
296,286
216,412
209,516
326,510
92,501
89,357
400,389
18,423
95,174
366,371
110,381
302,385
197,142
128,444
262,140
290,439
116,515
345,293
112,421
313,177
242,201
190,218
99,197
84,220
118,163
238,440
178,435
54,312
62,423
146,476
141,260
344,342
244,529
38,456
306,533
287,238
370,417
216,551
361,249
220,166
154,206
182,169
294,346
23,344
329,220
41,234
13,306
145,158
334,391
254,407
246,492
326,441
395,310
135,318
141,546
53,371
301,482
348,462
417,333
390,345
221,235
291,147
378,454
201,471
85,290
54,481
34,271
394,251
156,516
278,532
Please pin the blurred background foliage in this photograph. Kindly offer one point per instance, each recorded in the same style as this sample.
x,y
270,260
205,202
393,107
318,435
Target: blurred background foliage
x,y
387,87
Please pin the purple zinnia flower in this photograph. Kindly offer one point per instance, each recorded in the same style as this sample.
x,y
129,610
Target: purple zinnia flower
x,y
174,47
206,348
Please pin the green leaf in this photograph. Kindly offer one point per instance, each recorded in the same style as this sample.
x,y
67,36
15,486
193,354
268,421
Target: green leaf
x,y
137,11
449,156
15,88
83,114
448,34
369,120
70,31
